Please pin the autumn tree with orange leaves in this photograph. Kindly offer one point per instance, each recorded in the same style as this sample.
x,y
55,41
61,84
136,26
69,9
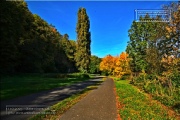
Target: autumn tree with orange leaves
x,y
107,64
116,66
172,42
122,65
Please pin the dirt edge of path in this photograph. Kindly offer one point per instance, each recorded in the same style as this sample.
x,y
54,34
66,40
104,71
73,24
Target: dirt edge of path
x,y
118,104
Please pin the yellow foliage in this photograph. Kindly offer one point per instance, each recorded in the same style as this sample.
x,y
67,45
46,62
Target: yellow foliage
x,y
107,64
173,27
117,66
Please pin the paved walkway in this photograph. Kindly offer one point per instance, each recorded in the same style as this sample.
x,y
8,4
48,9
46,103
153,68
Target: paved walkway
x,y
47,98
100,104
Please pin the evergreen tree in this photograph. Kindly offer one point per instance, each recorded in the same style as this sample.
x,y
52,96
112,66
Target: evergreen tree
x,y
83,52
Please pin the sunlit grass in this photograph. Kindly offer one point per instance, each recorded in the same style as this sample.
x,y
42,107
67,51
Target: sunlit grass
x,y
137,106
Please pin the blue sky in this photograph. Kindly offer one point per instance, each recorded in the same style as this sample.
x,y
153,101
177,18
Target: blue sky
x,y
109,21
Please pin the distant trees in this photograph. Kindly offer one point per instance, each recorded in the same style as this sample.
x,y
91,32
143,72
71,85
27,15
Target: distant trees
x,y
94,64
83,51
107,64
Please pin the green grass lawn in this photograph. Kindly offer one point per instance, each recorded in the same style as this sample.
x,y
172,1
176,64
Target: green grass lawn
x,y
136,105
19,85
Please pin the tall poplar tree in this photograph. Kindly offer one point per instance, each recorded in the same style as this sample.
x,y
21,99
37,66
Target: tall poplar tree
x,y
83,52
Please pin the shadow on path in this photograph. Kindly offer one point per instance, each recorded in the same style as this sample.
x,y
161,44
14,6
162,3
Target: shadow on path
x,y
47,98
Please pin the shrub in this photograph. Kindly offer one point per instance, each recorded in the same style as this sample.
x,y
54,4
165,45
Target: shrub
x,y
73,75
78,75
166,100
125,77
164,88
176,106
55,75
84,75
175,77
150,86
105,73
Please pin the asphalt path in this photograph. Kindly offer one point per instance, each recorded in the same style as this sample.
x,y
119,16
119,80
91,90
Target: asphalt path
x,y
17,109
100,104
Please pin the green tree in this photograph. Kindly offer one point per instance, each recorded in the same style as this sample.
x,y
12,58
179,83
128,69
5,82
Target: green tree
x,y
30,44
83,52
16,24
137,46
143,45
69,47
94,64
37,53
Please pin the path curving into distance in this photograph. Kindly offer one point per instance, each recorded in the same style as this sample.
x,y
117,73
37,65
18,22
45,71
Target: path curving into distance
x,y
100,104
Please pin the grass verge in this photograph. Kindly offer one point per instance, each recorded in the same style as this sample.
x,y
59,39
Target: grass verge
x,y
61,107
19,85
136,105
